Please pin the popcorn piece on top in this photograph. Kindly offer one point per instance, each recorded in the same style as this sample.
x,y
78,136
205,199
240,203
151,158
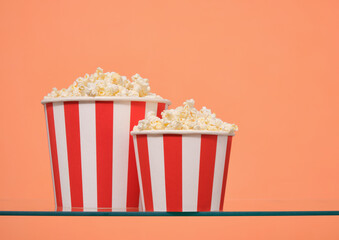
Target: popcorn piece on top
x,y
105,84
185,117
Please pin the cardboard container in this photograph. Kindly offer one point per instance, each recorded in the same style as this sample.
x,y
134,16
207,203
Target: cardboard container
x,y
91,151
182,170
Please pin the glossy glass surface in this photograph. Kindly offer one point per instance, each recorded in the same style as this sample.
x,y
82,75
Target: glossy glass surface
x,y
164,214
45,207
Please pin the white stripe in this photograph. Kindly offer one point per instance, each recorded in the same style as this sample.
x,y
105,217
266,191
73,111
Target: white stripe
x,y
151,106
91,209
218,172
88,155
121,133
157,170
166,106
139,173
50,156
61,142
190,171
140,204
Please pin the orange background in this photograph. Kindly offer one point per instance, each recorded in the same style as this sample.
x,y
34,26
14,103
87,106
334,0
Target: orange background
x,y
269,66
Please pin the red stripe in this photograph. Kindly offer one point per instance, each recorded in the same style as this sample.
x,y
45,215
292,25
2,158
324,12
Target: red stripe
x,y
104,139
133,209
206,172
161,107
54,153
104,209
227,160
145,171
173,172
137,113
74,152
76,209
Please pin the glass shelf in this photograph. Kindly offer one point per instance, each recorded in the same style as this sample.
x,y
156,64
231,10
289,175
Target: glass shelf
x,y
171,214
233,207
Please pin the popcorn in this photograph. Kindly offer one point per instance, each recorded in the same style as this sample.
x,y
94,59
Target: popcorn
x,y
185,117
105,84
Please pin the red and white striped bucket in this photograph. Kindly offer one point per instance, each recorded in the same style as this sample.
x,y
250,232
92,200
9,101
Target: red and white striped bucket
x,y
91,151
182,170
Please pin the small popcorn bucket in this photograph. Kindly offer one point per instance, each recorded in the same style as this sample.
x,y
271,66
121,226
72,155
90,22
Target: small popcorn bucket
x,y
182,171
91,151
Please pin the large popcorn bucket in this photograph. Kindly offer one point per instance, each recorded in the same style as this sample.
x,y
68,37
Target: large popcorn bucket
x,y
182,170
91,151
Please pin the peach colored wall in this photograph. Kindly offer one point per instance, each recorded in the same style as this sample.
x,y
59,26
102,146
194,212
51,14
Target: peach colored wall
x,y
269,66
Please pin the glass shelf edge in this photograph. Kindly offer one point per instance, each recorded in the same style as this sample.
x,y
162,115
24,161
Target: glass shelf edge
x,y
172,214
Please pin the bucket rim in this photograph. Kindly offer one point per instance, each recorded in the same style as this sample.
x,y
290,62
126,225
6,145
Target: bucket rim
x,y
105,99
181,132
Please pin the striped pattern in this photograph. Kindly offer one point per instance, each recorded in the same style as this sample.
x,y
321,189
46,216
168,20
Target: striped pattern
x,y
92,153
182,172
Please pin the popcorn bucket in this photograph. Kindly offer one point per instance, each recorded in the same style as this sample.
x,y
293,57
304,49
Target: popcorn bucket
x,y
182,171
91,151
